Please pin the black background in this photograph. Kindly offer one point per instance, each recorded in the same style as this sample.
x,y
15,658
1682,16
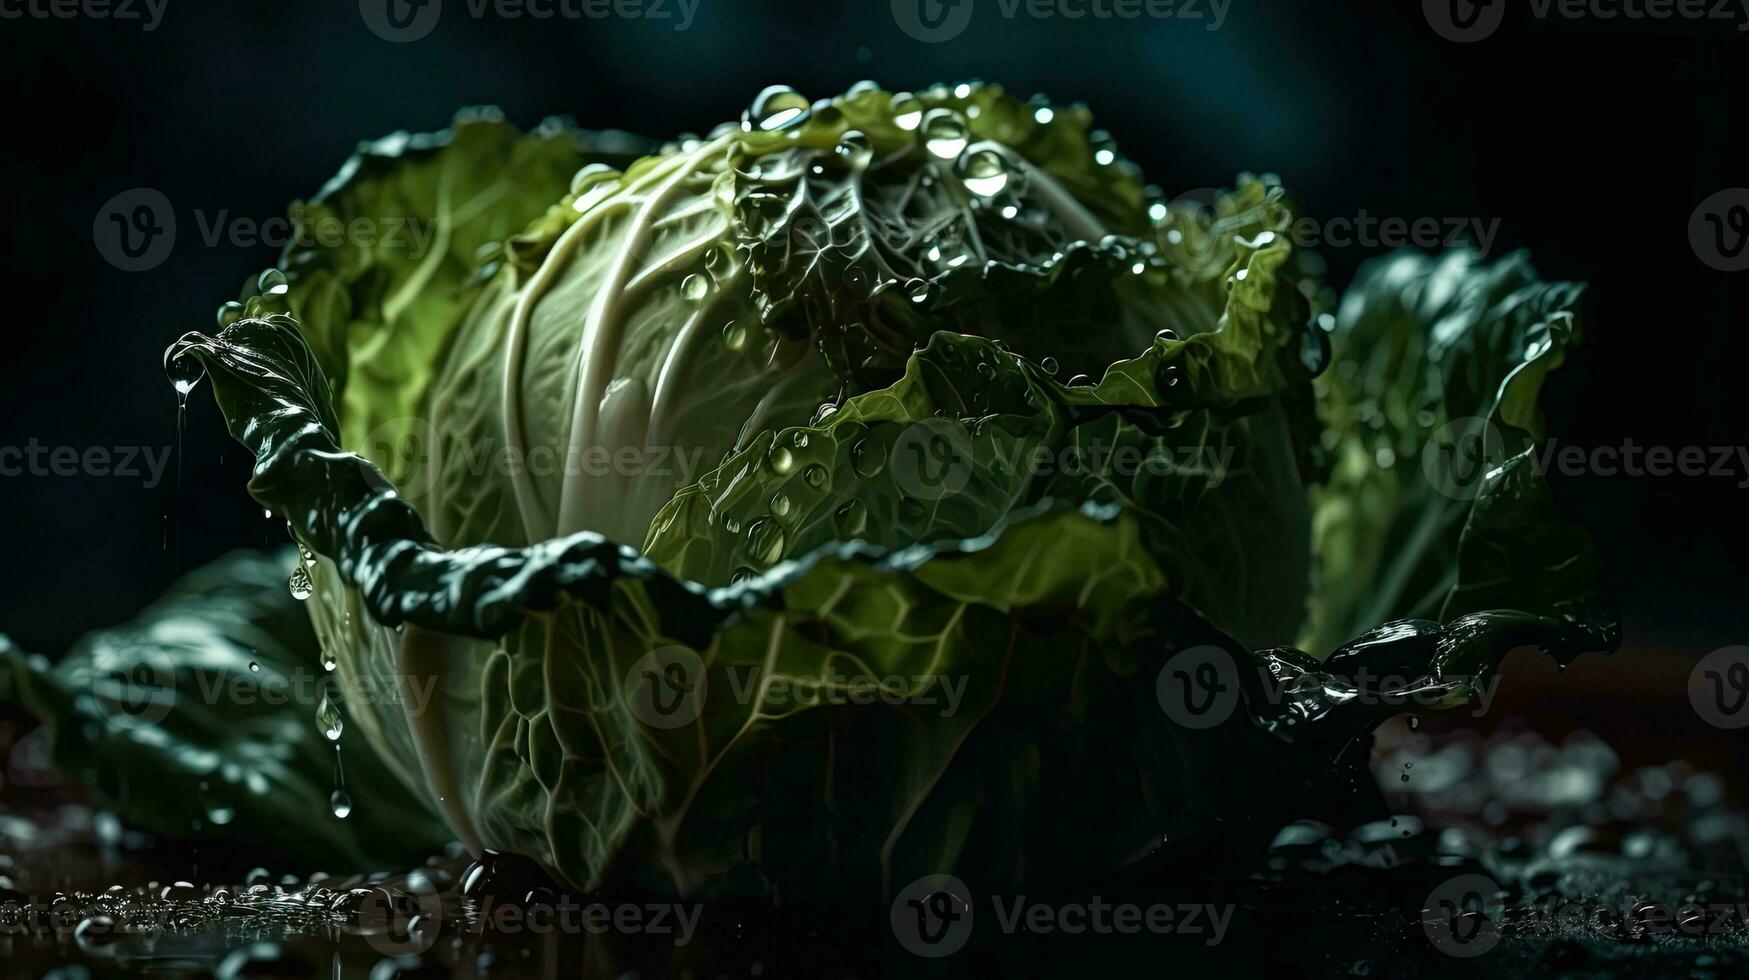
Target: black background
x,y
1592,141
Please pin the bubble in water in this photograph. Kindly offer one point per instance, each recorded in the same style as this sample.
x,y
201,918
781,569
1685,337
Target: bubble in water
x,y
254,668
229,313
983,171
340,803
695,287
272,283
1050,366
776,108
301,586
944,133
907,111
854,149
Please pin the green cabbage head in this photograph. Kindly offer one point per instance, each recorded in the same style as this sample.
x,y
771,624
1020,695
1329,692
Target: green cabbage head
x,y
822,502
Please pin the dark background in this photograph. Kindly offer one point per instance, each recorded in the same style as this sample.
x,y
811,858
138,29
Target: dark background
x,y
1592,141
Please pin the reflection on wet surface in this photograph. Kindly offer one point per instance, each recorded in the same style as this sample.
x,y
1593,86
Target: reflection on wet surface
x,y
1509,853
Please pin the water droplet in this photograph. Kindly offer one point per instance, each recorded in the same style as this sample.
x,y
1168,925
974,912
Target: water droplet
x,y
917,290
272,283
254,667
328,661
1168,376
301,586
1050,366
695,287
866,460
1167,336
782,461
307,555
777,107
340,803
1104,157
984,171
765,541
854,149
907,111
944,133
851,520
229,313
1080,381
590,175
814,475
220,816
720,263
731,525
1044,114
328,717
741,574
780,505
799,440
735,337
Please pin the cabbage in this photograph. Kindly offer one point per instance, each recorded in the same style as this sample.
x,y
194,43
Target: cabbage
x,y
818,504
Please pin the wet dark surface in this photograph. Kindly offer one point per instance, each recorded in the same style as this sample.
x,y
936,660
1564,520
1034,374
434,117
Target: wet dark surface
x,y
1532,857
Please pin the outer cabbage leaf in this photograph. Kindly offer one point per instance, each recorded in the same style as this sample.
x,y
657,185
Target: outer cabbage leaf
x,y
1435,505
198,717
